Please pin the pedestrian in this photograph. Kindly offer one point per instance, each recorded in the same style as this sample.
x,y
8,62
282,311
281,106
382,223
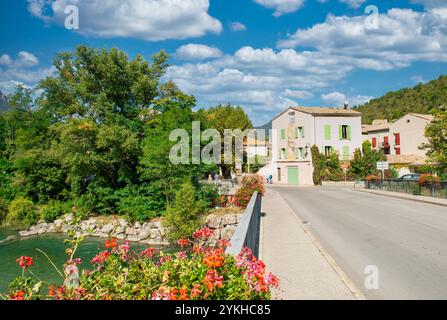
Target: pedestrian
x,y
270,179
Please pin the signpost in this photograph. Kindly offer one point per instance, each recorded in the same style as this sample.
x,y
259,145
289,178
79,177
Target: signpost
x,y
382,166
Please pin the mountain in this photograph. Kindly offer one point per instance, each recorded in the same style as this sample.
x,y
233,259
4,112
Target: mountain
x,y
267,127
3,102
422,98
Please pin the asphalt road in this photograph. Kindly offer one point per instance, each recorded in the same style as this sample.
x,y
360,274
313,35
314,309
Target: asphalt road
x,y
405,240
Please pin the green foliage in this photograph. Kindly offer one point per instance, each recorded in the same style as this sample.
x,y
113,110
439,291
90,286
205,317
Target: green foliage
x,y
185,215
331,169
436,133
208,195
365,161
21,213
317,161
226,117
3,210
51,211
423,98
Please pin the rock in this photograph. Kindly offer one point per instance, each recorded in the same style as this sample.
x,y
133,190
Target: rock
x,y
137,225
239,217
120,230
10,238
155,233
133,238
69,217
228,232
229,219
107,228
144,234
58,222
130,231
156,224
123,223
52,228
24,233
121,236
213,221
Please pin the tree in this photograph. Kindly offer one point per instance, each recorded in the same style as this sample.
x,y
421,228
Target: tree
x,y
436,133
226,117
365,161
184,216
317,161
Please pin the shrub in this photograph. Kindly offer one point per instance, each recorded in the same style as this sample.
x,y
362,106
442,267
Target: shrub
x,y
242,197
185,215
197,272
3,210
22,213
52,211
253,182
209,195
424,178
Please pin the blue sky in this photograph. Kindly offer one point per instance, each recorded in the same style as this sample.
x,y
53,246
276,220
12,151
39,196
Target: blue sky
x,y
264,55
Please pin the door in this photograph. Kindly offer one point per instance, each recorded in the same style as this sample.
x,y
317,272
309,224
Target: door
x,y
292,175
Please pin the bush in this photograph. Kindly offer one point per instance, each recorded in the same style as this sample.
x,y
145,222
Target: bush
x,y
209,195
242,197
52,211
185,215
3,210
250,184
429,178
197,272
22,213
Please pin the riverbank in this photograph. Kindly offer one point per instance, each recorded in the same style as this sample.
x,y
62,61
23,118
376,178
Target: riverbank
x,y
153,233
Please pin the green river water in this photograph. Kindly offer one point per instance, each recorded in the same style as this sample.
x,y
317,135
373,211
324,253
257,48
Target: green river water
x,y
51,244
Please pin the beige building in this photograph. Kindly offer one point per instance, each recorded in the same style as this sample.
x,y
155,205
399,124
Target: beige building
x,y
400,140
297,129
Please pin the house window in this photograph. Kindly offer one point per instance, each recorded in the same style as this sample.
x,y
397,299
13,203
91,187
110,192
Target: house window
x,y
374,142
385,141
279,174
283,134
300,132
327,151
397,150
301,154
345,132
282,155
397,139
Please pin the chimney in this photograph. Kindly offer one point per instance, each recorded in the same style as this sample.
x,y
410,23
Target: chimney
x,y
346,106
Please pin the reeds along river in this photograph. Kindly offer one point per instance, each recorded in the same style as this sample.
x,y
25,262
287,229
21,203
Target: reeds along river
x,y
51,244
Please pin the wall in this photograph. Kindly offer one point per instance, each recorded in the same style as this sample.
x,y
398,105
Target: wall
x,y
411,134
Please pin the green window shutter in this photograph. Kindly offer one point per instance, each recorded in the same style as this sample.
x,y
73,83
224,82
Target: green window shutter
x,y
327,132
346,152
332,150
302,132
302,153
283,134
340,132
349,132
296,133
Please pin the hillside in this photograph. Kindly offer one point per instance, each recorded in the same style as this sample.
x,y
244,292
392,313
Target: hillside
x,y
419,99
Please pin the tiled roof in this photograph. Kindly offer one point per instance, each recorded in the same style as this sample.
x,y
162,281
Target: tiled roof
x,y
366,128
406,159
428,117
322,111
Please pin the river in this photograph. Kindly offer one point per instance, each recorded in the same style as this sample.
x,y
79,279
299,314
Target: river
x,y
51,244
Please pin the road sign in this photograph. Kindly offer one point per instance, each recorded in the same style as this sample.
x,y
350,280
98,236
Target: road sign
x,y
383,165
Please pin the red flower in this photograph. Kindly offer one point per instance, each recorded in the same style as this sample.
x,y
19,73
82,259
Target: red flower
x,y
183,243
203,233
148,253
110,243
25,262
100,257
213,259
17,296
195,291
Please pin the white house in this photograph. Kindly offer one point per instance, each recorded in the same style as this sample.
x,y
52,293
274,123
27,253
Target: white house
x,y
297,129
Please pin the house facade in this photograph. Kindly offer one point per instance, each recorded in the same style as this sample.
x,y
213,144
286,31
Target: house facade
x,y
297,129
401,141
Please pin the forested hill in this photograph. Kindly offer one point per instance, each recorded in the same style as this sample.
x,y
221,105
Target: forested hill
x,y
393,105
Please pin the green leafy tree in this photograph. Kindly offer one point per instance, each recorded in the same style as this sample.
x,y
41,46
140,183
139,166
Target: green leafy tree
x,y
185,214
436,133
317,162
365,161
226,117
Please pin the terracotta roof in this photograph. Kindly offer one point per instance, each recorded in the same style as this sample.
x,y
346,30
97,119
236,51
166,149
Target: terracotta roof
x,y
406,159
366,128
322,111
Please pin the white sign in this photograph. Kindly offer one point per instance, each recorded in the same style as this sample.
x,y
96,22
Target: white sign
x,y
383,165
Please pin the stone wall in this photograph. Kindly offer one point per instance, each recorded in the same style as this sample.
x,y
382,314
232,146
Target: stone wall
x,y
151,232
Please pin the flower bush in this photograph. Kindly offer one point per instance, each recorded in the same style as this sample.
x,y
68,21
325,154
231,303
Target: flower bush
x,y
249,185
197,272
424,178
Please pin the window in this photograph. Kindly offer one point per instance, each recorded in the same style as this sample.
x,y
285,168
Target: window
x,y
327,132
385,141
327,151
397,150
301,154
282,154
283,134
345,132
300,132
374,142
397,139
279,174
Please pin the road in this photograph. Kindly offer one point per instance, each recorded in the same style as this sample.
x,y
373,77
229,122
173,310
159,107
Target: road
x,y
405,240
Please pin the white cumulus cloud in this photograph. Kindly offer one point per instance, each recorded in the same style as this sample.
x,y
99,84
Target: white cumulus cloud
x,y
195,51
338,99
281,6
150,20
237,26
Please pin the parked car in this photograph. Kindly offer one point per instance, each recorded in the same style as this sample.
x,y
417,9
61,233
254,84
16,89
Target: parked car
x,y
410,177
